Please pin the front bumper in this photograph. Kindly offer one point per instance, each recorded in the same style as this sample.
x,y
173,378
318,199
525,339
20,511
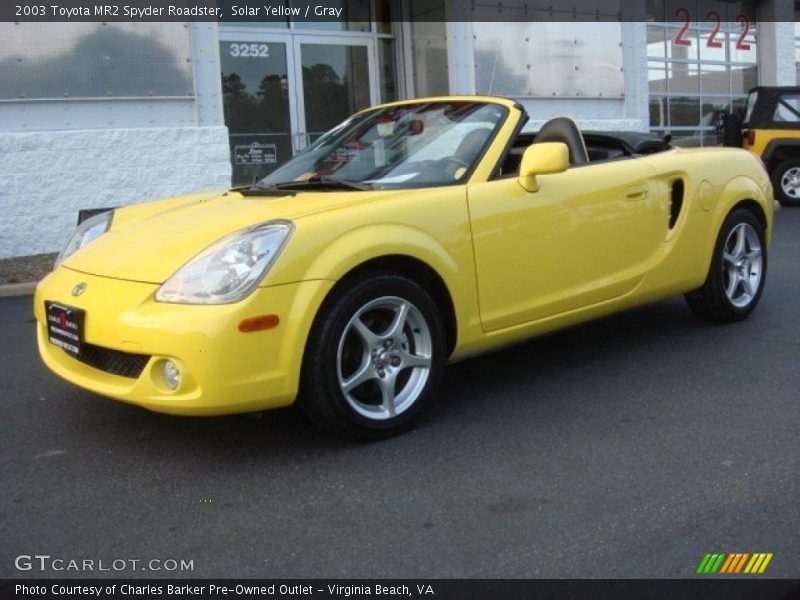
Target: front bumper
x,y
223,370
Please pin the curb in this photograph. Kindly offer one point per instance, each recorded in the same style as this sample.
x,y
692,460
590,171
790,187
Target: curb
x,y
17,289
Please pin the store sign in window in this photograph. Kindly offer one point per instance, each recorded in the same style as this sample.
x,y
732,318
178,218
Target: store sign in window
x,y
255,154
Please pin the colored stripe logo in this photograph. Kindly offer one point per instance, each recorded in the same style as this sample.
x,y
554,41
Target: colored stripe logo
x,y
734,562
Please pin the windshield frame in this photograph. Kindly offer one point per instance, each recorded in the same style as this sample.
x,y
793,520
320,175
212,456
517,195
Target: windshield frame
x,y
361,116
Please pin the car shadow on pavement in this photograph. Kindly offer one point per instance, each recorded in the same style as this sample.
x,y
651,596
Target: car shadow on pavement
x,y
487,385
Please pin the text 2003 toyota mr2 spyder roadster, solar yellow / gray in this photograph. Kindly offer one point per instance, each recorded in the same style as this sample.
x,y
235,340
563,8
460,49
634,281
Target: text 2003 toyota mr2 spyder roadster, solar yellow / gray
x,y
411,234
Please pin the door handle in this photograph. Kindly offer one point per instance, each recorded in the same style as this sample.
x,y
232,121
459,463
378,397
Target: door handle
x,y
636,192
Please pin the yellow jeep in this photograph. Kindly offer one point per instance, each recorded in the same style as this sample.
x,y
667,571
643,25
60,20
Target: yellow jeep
x,y
770,128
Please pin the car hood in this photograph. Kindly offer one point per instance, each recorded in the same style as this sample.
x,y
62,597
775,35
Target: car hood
x,y
149,242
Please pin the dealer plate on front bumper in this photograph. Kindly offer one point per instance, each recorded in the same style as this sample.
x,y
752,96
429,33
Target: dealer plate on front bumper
x,y
65,326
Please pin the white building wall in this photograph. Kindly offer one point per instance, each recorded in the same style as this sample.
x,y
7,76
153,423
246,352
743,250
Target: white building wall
x,y
60,156
46,177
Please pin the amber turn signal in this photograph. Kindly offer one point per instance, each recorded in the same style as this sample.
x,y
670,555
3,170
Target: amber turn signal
x,y
259,323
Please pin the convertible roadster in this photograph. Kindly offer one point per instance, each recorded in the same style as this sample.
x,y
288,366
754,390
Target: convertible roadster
x,y
412,234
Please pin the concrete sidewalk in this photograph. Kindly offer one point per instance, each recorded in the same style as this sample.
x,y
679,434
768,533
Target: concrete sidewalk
x,y
17,289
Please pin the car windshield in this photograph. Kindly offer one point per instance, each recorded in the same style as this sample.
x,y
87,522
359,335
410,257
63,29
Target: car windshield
x,y
409,145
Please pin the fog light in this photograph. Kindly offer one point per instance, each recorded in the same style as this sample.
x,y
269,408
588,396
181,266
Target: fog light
x,y
172,376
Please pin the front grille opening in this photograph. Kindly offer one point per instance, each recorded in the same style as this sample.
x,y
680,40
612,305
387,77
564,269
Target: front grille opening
x,y
116,362
676,202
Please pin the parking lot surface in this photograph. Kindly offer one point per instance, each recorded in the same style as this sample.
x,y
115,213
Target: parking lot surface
x,y
629,447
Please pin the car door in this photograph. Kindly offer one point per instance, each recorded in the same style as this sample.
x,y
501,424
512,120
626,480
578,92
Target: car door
x,y
584,237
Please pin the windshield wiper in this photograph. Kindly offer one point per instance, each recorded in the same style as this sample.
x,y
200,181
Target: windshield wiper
x,y
322,182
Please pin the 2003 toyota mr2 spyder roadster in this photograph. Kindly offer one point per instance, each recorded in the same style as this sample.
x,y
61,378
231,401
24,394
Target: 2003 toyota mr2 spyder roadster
x,y
411,234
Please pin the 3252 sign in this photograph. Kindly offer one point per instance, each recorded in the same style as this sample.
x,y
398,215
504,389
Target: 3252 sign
x,y
712,16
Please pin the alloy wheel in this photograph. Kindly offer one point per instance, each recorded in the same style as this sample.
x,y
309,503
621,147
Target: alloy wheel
x,y
742,265
384,357
790,183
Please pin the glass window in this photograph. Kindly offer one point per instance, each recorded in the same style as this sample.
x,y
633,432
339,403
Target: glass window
x,y
684,111
713,46
711,110
95,60
385,16
683,78
788,110
682,45
708,66
355,16
743,79
656,42
388,70
335,84
751,104
658,111
654,10
715,79
255,99
657,77
688,138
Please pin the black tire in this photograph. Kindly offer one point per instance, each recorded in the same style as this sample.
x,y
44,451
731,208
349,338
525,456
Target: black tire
x,y
335,345
712,301
777,175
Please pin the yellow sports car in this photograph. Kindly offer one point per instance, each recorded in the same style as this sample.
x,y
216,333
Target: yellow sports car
x,y
411,234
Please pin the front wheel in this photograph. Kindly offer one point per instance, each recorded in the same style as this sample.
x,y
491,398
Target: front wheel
x,y
374,357
786,181
738,271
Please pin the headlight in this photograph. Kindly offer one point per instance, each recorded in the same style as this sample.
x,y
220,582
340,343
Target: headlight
x,y
229,269
88,231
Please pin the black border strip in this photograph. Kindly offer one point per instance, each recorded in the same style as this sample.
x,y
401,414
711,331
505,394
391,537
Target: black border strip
x,y
430,11
732,588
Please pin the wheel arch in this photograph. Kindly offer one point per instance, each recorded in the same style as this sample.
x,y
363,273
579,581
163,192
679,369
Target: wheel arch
x,y
744,192
445,271
755,208
416,270
779,149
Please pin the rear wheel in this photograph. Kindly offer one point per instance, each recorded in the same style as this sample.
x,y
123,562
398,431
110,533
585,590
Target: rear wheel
x,y
786,181
738,270
374,357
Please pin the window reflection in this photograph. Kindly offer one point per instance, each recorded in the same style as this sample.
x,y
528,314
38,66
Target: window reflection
x,y
94,60
335,84
256,104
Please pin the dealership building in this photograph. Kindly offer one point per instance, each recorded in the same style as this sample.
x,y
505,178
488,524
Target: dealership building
x,y
99,114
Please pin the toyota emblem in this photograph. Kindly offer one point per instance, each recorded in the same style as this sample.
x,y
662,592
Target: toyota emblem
x,y
79,289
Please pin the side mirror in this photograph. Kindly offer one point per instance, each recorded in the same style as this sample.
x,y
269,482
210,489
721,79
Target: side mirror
x,y
542,159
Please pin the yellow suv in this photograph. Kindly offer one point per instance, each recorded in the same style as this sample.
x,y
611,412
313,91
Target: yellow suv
x,y
770,127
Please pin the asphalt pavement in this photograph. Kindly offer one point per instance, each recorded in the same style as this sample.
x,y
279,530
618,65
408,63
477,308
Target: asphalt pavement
x,y
629,447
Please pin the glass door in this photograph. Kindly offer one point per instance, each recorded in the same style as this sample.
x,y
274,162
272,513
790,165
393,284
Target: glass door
x,y
258,93
336,77
281,91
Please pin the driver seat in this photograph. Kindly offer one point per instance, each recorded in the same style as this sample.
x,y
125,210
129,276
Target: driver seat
x,y
565,130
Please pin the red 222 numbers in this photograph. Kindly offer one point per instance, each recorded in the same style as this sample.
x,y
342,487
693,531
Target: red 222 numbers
x,y
681,40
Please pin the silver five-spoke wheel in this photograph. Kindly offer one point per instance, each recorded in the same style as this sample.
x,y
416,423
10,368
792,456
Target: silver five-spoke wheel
x,y
384,357
790,183
742,265
738,269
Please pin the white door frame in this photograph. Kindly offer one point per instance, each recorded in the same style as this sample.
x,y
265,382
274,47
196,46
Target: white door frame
x,y
334,40
294,66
